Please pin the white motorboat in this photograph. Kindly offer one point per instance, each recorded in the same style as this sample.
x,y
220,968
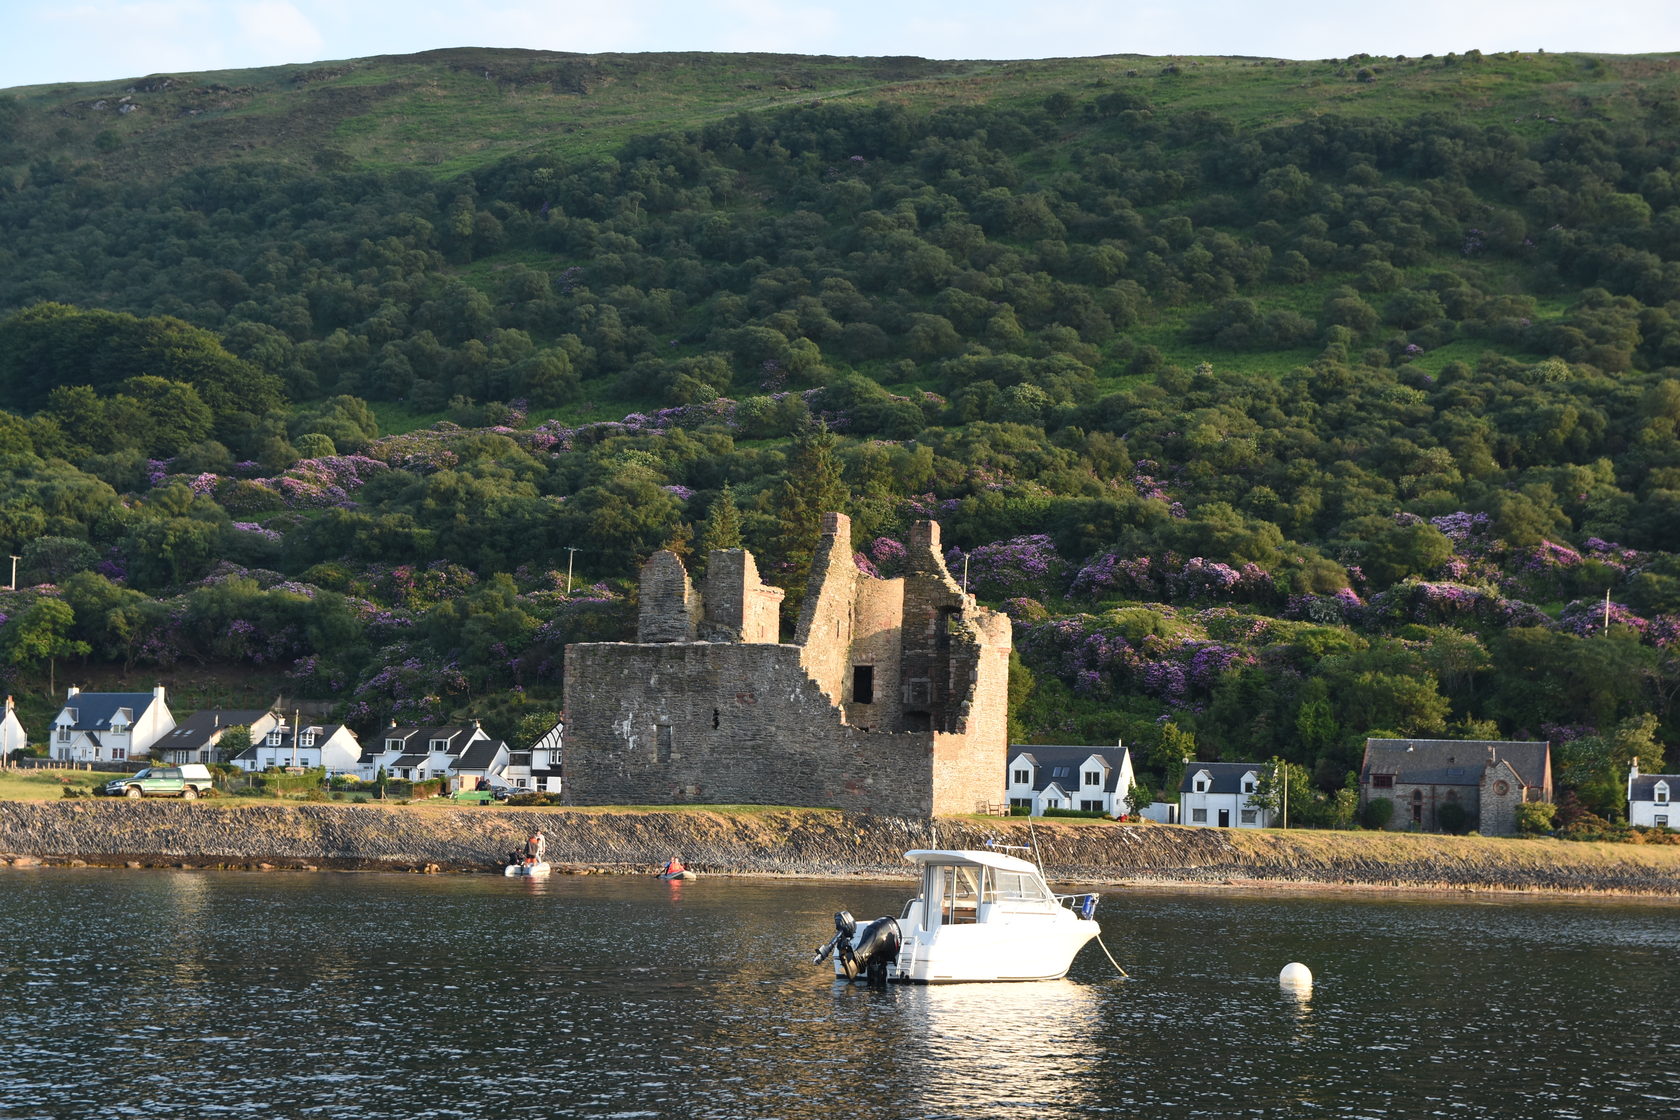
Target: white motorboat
x,y
980,916
532,868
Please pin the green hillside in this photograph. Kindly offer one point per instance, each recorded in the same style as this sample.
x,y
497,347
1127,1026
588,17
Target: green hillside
x,y
1280,403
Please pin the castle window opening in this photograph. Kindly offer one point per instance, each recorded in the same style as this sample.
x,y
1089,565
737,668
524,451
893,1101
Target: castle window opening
x,y
863,684
664,740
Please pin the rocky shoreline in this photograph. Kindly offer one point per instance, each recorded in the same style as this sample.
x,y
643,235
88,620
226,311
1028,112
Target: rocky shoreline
x,y
795,842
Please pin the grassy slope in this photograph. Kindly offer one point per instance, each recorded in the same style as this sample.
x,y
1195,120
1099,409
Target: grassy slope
x,y
452,110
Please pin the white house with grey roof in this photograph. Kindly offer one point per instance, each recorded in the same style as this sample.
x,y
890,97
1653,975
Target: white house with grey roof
x,y
419,754
303,746
1094,779
1651,799
109,726
12,735
198,737
1219,795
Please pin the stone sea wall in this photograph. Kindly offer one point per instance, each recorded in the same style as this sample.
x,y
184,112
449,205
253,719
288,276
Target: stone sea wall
x,y
816,843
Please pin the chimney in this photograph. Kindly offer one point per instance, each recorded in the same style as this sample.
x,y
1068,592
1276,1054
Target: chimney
x,y
72,691
157,692
1493,754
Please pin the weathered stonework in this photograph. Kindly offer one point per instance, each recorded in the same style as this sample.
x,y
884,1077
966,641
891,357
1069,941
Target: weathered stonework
x,y
892,697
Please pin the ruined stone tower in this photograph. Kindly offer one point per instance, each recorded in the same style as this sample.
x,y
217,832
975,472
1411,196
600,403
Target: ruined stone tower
x,y
892,697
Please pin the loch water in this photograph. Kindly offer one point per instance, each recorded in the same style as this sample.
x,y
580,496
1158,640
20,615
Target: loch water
x,y
162,994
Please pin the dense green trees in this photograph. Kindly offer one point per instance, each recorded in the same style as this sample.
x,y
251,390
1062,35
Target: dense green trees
x,y
1312,431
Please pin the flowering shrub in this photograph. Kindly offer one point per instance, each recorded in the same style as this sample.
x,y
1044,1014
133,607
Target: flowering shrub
x,y
1585,617
1018,566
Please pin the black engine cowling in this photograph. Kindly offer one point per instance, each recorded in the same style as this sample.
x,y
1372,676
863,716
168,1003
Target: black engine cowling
x,y
877,947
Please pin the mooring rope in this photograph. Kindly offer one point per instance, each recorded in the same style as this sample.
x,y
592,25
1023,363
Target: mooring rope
x,y
1111,960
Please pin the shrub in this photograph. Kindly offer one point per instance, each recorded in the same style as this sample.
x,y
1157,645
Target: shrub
x,y
1453,818
1377,813
1535,818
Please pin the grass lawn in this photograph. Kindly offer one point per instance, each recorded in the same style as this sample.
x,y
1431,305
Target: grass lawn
x,y
48,785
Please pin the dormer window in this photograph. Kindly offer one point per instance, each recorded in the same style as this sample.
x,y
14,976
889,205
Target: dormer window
x,y
1248,783
1093,777
1660,794
1023,777
393,744
1202,782
306,738
440,746
274,737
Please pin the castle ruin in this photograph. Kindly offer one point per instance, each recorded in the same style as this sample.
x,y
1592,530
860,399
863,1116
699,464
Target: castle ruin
x,y
892,697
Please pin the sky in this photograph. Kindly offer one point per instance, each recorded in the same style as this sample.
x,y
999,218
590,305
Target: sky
x,y
45,41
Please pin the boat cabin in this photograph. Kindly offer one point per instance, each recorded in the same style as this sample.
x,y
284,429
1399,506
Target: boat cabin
x,y
964,888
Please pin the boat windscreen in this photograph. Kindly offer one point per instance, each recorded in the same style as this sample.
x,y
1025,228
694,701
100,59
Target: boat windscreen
x,y
1013,886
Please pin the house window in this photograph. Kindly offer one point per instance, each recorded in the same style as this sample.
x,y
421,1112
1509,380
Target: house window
x,y
1052,804
1020,803
1198,816
1201,785
440,746
118,754
863,684
1248,785
1382,781
1093,777
306,738
1248,816
1660,820
64,734
274,738
664,742
1091,806
1023,777
1662,793
393,744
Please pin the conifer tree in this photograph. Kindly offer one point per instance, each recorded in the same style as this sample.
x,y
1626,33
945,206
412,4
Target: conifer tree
x,y
722,527
811,487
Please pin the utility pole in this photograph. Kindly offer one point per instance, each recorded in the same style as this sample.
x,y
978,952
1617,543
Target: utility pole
x,y
1607,612
15,559
295,718
569,552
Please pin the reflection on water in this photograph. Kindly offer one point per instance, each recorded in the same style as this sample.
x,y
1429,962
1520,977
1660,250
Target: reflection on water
x,y
189,994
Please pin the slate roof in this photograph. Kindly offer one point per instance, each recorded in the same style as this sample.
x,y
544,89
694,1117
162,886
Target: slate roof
x,y
195,731
479,755
95,709
1451,762
1061,765
420,738
410,760
1644,787
1226,776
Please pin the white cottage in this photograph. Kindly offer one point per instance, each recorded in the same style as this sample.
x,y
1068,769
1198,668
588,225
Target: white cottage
x,y
305,747
1651,798
1093,779
109,726
1217,795
12,735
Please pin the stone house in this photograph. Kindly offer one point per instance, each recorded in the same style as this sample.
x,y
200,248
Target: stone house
x,y
1218,795
12,735
109,726
892,697
1488,778
1651,798
1087,778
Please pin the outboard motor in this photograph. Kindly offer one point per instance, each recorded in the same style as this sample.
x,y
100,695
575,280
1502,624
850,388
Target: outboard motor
x,y
844,927
877,947
1088,907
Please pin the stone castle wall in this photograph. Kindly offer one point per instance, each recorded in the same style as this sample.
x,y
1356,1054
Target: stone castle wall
x,y
892,698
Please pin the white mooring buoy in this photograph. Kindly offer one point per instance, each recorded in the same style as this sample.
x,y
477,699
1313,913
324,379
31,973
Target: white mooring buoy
x,y
1296,975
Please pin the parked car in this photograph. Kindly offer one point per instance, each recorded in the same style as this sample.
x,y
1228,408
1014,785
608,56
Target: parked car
x,y
484,795
187,781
